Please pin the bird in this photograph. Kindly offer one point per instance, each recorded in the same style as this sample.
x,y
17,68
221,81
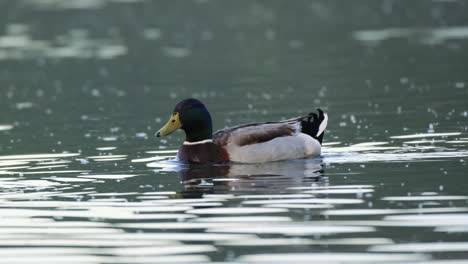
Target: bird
x,y
295,138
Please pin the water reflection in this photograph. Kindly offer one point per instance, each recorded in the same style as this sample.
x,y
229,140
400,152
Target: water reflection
x,y
251,178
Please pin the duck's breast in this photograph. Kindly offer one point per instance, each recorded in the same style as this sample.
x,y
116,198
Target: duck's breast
x,y
279,148
203,152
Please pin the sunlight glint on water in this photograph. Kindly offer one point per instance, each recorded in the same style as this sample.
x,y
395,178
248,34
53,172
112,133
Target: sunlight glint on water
x,y
85,84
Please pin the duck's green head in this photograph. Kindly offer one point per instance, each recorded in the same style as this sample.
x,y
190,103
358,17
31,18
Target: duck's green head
x,y
191,116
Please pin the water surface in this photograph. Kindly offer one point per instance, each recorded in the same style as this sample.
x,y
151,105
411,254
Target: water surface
x,y
85,84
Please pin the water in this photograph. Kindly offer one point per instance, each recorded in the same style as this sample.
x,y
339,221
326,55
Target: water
x,y
85,84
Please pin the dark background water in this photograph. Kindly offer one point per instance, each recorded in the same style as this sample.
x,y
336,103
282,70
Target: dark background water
x,y
79,75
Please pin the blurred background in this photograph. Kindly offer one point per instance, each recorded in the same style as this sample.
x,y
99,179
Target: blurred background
x,y
74,73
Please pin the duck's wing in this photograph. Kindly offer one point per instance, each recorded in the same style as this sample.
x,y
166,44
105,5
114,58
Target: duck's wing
x,y
254,133
247,134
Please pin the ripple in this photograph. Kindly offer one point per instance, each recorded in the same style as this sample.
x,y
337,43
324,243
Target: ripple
x,y
161,250
265,242
11,170
369,144
69,204
457,142
37,224
244,219
151,197
68,258
38,156
421,222
423,247
55,231
50,172
4,163
159,209
222,196
53,162
299,206
170,236
452,229
162,151
72,242
218,222
425,135
332,187
267,196
305,201
106,148
115,194
331,258
236,211
387,157
106,157
393,211
47,167
225,180
70,179
331,143
293,229
361,147
424,141
34,195
166,165
261,242
191,201
429,217
204,204
116,213
157,158
160,259
108,176
425,198
183,225
340,191
85,255
38,184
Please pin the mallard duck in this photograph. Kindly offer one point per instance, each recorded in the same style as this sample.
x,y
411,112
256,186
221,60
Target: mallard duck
x,y
249,143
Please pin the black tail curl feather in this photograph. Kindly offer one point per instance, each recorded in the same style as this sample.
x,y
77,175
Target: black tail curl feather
x,y
311,123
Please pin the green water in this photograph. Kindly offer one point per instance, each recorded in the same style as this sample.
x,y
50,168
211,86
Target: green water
x,y
88,83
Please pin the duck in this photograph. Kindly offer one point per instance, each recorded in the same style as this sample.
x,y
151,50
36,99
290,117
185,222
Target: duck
x,y
295,138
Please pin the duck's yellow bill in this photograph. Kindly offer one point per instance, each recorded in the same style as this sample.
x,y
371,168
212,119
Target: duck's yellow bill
x,y
172,125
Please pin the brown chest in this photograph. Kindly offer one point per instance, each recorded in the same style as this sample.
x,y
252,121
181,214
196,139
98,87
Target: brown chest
x,y
202,153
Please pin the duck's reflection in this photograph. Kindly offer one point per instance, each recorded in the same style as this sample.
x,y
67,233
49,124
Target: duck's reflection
x,y
265,178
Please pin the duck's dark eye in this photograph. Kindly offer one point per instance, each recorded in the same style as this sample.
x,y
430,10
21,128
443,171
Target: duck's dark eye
x,y
172,121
